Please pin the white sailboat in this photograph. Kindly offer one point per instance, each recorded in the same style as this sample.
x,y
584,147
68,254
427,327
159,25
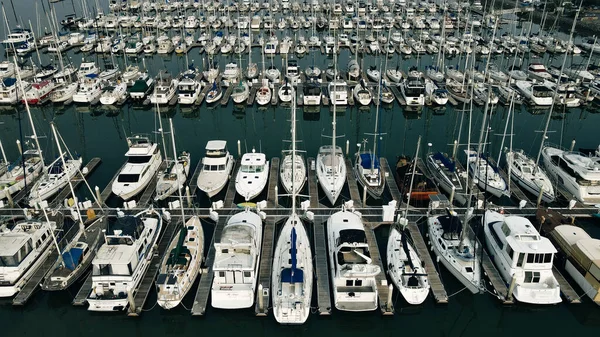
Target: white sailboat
x,y
237,258
292,277
352,271
293,169
331,166
174,176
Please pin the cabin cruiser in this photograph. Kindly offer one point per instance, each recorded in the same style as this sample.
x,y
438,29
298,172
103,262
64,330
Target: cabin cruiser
x,y
338,92
56,177
311,94
87,68
405,267
216,168
23,249
413,89
529,176
236,263
114,93
522,256
18,36
352,269
231,74
574,172
189,87
142,87
537,71
455,245
251,179
181,264
90,89
362,94
143,162
487,175
164,90
240,92
122,261
537,94
10,92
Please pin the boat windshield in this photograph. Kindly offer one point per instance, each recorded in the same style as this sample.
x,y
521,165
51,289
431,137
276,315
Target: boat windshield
x,y
128,178
542,91
15,259
252,168
138,159
214,168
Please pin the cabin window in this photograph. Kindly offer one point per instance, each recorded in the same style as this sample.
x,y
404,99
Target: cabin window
x,y
138,159
128,178
140,250
532,277
509,251
221,274
9,261
101,269
129,268
246,274
505,229
595,272
349,283
358,283
530,258
520,259
548,258
44,236
225,251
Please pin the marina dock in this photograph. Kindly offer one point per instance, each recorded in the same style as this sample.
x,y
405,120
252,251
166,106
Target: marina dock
x,y
495,279
321,270
273,184
151,187
34,281
437,287
147,283
76,181
566,289
230,193
390,182
84,291
193,181
226,95
266,264
313,187
383,289
205,284
352,184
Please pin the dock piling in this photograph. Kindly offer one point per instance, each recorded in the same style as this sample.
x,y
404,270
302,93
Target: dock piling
x,y
188,196
98,196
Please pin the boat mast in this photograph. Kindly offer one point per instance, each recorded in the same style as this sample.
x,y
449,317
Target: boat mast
x,y
333,123
176,169
162,133
293,150
375,133
62,158
4,157
414,169
562,69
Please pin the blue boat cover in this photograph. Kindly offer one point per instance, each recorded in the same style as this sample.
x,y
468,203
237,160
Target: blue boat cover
x,y
365,161
293,274
57,168
71,257
445,160
9,81
91,75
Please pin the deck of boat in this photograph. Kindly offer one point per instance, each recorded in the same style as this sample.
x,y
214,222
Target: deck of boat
x,y
496,280
76,181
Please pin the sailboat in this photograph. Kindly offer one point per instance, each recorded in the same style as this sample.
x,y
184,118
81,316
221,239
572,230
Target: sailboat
x,y
331,166
366,168
293,168
292,276
174,176
181,266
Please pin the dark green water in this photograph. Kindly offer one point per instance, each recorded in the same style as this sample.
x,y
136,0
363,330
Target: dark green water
x,y
98,132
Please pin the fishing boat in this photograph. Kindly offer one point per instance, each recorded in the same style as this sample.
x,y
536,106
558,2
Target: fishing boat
x,y
574,172
236,263
350,264
523,257
252,176
456,247
24,247
311,94
405,267
338,92
123,258
487,176
143,161
181,265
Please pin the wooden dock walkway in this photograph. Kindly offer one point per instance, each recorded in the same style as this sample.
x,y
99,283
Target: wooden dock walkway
x,y
313,188
193,181
76,181
230,193
151,188
565,288
352,184
205,284
36,278
252,95
147,282
437,287
266,263
390,181
275,94
81,297
321,270
226,95
107,191
496,280
398,95
272,195
203,94
382,285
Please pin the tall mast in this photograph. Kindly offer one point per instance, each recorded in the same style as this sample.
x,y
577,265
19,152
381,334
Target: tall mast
x,y
162,133
293,150
375,133
176,169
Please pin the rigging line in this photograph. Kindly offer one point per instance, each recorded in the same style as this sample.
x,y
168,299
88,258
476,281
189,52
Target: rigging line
x,y
146,310
456,293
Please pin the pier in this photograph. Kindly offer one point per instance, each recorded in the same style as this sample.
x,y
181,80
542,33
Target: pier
x,y
151,187
266,264
566,290
383,289
437,287
36,278
81,297
76,181
230,193
313,188
352,184
390,182
147,282
193,181
273,184
495,279
226,95
321,270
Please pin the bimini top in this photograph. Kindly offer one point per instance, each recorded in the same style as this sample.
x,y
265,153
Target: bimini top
x,y
365,161
216,145
450,165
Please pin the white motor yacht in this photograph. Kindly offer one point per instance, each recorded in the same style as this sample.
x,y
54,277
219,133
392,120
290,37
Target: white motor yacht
x,y
164,90
216,168
529,176
252,177
90,89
